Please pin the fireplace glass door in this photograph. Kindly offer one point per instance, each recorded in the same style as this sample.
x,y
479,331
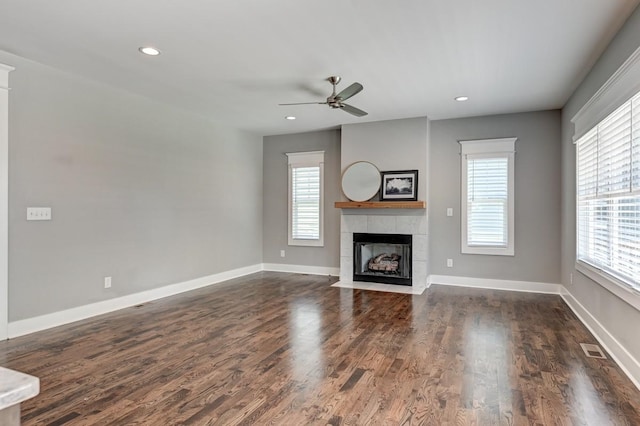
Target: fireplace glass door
x,y
382,258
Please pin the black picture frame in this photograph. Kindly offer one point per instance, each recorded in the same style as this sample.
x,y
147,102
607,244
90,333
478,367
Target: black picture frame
x,y
399,185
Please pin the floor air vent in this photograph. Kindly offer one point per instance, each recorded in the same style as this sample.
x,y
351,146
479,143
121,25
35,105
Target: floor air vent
x,y
592,351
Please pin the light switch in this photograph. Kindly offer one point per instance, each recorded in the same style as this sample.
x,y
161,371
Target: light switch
x,y
449,211
38,213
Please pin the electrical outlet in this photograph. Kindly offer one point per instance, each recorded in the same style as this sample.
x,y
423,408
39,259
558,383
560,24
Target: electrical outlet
x,y
38,213
281,253
449,211
107,282
449,263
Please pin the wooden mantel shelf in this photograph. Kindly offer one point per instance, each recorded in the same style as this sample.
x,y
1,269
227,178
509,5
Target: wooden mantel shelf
x,y
380,204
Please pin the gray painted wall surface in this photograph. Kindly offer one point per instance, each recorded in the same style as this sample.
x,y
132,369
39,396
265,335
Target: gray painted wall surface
x,y
390,145
618,317
537,197
141,192
275,199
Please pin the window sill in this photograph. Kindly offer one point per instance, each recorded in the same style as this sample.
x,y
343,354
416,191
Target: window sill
x,y
305,243
490,251
618,288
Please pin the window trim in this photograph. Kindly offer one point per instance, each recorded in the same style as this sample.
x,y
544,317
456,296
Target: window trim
x,y
304,159
618,89
619,288
598,273
488,148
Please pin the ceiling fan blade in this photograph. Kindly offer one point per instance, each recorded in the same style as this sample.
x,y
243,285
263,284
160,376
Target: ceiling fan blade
x,y
350,91
305,103
353,110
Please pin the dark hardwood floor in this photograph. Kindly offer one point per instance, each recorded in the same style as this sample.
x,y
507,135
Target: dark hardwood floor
x,y
287,349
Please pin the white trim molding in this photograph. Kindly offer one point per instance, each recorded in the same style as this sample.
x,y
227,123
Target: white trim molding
x,y
625,292
477,150
54,319
493,284
627,362
618,352
297,160
301,269
4,200
618,89
4,75
620,355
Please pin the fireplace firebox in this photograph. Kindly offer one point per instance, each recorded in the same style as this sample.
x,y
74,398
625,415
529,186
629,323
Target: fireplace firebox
x,y
382,258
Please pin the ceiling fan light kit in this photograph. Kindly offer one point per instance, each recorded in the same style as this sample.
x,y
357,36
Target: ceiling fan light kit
x,y
336,100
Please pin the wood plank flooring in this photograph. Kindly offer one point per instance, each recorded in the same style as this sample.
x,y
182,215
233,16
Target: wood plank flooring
x,y
288,349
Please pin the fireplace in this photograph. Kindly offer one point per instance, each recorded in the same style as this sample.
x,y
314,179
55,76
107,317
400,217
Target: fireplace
x,y
382,258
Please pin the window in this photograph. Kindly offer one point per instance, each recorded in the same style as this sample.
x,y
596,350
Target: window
x,y
608,195
306,198
487,196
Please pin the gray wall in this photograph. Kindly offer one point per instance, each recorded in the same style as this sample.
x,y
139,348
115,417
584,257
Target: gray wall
x,y
141,192
390,145
537,197
275,199
619,318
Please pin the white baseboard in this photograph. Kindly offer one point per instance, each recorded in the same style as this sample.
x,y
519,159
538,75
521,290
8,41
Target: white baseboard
x,y
301,269
619,353
525,286
54,319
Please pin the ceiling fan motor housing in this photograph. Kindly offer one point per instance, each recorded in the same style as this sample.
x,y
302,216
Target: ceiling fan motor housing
x,y
334,102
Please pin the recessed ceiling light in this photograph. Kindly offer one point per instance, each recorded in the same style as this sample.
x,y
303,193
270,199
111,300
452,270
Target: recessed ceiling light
x,y
290,117
461,98
148,50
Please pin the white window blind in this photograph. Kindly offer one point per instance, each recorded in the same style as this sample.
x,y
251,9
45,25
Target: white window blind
x,y
305,200
608,192
487,201
487,196
306,203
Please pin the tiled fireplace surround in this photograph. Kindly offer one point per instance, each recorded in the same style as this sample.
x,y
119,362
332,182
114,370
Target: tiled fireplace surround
x,y
396,221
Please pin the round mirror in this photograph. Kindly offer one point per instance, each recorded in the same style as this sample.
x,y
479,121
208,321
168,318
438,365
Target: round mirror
x,y
361,181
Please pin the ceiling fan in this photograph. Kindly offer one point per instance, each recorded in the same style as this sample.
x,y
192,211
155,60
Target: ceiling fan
x,y
336,100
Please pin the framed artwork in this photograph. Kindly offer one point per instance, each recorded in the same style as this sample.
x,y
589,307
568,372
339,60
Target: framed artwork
x,y
400,185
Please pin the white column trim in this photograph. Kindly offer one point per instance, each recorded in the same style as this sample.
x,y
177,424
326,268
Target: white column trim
x,y
4,200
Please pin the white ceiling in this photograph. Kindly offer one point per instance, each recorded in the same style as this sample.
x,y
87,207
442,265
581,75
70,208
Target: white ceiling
x,y
235,60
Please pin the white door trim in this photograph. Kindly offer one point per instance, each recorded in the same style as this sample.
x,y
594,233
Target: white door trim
x,y
4,200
